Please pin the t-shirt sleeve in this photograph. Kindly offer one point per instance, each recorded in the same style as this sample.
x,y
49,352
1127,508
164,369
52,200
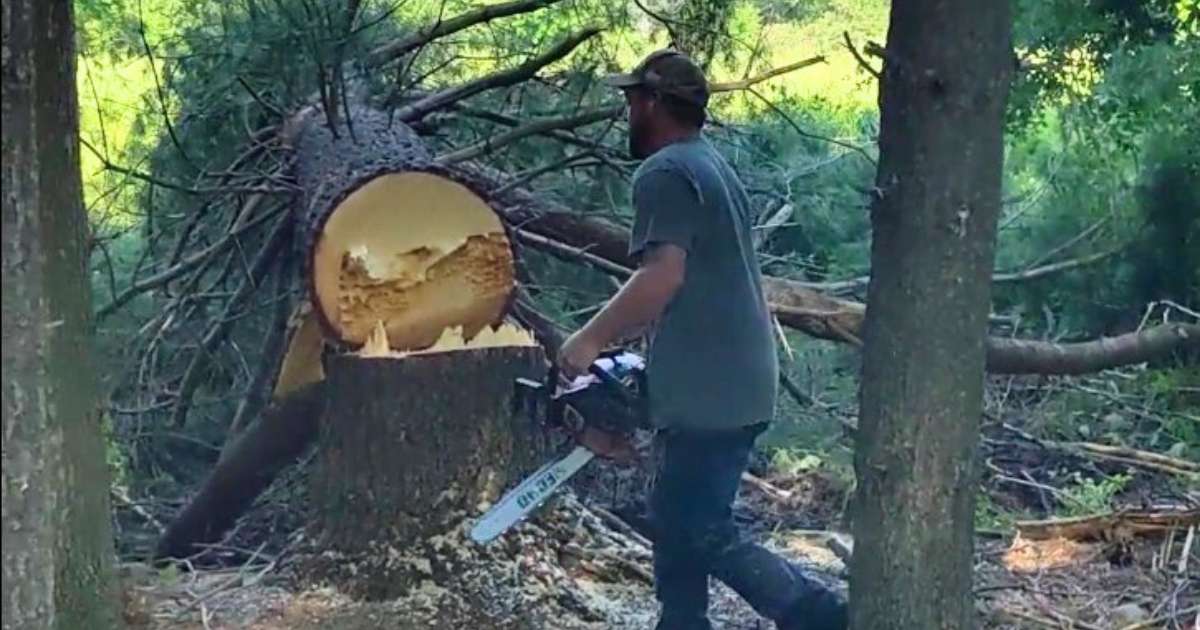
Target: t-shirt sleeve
x,y
667,209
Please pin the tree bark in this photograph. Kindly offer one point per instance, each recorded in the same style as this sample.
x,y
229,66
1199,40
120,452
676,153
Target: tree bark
x,y
942,99
409,444
57,540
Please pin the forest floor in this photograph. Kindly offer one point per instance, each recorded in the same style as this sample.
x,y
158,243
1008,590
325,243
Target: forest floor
x,y
1068,536
572,566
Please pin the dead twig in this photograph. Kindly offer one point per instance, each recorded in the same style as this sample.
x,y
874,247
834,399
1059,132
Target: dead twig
x,y
203,354
620,525
862,63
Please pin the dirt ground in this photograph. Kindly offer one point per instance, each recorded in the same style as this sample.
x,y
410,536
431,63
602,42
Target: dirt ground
x,y
573,567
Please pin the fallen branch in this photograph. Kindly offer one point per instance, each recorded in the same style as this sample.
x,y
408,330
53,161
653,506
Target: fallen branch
x,y
419,109
1104,526
1055,268
1135,457
814,313
390,52
572,254
1014,356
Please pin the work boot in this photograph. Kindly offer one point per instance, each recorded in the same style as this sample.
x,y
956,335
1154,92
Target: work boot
x,y
820,609
670,621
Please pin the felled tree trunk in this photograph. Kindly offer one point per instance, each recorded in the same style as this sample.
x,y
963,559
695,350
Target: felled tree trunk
x,y
392,238
408,267
412,269
412,443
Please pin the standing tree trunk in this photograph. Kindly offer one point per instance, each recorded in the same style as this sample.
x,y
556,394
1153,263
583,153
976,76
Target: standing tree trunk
x,y
57,538
945,83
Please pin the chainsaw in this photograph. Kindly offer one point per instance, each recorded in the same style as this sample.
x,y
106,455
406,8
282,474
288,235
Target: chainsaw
x,y
610,401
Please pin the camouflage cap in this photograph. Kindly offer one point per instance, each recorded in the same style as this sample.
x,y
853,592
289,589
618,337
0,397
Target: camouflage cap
x,y
667,71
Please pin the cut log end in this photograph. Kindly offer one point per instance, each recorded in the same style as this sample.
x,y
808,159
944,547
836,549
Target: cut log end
x,y
420,253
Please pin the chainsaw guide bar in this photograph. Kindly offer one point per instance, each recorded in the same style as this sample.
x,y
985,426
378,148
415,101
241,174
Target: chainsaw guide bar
x,y
610,399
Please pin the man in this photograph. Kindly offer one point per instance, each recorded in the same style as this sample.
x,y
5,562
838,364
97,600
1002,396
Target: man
x,y
712,368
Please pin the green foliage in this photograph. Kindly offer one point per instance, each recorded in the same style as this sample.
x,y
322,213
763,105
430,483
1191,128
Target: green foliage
x,y
1104,128
1092,496
990,516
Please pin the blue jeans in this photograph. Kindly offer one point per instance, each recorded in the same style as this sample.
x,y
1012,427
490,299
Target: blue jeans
x,y
691,511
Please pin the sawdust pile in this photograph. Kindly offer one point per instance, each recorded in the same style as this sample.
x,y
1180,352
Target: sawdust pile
x,y
563,568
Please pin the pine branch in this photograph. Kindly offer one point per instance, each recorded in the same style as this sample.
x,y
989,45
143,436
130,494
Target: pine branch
x,y
534,128
444,98
263,262
390,52
163,277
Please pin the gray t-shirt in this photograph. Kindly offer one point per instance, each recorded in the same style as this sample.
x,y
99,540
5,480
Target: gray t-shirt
x,y
712,362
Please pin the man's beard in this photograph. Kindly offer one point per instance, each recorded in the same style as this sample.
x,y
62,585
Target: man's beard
x,y
639,141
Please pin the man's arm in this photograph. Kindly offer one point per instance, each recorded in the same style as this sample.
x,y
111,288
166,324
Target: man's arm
x,y
638,303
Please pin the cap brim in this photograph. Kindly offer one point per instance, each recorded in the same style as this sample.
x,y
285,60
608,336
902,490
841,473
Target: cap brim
x,y
623,80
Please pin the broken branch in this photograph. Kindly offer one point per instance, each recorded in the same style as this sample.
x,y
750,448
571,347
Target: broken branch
x,y
1102,526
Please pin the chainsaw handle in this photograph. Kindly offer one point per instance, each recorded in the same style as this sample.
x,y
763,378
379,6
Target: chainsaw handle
x,y
618,387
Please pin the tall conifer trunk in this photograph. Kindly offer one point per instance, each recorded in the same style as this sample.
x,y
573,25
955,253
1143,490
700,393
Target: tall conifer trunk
x,y
943,93
57,538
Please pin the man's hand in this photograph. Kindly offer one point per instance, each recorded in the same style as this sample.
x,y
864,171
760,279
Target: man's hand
x,y
577,354
640,301
608,445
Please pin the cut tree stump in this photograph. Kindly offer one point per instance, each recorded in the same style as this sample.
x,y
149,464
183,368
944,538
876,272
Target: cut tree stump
x,y
409,444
